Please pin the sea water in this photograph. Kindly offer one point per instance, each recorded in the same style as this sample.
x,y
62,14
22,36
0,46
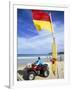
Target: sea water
x,y
25,59
22,59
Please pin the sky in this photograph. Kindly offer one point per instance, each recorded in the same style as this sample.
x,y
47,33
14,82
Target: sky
x,y
30,41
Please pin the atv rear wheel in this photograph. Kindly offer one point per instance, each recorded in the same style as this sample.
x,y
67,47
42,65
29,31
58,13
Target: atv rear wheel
x,y
46,73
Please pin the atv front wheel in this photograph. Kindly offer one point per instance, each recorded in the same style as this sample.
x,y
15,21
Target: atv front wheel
x,y
31,75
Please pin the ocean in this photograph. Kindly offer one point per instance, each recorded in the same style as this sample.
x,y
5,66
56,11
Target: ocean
x,y
25,59
30,59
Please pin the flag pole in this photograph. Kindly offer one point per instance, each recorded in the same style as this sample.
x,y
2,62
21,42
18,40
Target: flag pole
x,y
54,51
53,35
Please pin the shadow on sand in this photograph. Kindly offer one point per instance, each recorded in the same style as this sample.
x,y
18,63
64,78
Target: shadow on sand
x,y
20,72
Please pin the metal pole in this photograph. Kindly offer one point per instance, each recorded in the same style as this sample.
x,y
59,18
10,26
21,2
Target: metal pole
x,y
53,35
54,44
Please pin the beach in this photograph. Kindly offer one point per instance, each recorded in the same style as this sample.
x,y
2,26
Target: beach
x,y
59,75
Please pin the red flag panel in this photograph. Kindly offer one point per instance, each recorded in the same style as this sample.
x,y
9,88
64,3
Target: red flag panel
x,y
40,15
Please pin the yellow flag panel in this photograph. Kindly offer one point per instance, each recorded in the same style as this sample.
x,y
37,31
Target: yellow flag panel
x,y
45,25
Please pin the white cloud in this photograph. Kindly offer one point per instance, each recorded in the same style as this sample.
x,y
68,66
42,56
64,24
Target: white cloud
x,y
38,43
41,43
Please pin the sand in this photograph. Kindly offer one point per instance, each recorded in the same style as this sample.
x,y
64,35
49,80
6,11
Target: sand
x,y
60,73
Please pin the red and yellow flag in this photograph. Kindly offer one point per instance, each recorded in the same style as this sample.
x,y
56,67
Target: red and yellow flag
x,y
41,20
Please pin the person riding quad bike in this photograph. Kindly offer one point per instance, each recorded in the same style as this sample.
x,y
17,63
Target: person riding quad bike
x,y
39,61
36,69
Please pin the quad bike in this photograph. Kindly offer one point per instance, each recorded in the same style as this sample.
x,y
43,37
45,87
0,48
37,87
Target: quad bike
x,y
33,70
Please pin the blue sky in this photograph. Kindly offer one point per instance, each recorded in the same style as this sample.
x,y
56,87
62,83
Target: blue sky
x,y
30,41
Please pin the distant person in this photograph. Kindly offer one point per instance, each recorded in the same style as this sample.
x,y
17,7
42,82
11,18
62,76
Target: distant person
x,y
39,61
